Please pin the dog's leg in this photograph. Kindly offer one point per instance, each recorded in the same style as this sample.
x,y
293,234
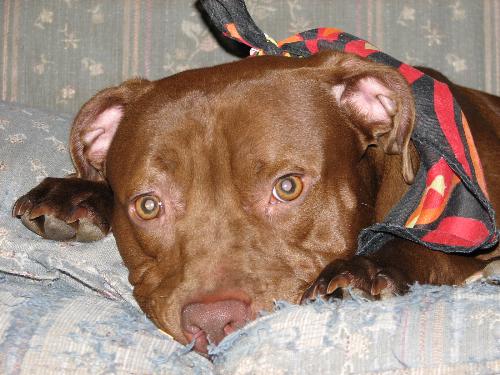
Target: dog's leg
x,y
391,270
67,209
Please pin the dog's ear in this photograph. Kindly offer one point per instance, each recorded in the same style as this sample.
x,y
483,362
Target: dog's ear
x,y
378,101
95,126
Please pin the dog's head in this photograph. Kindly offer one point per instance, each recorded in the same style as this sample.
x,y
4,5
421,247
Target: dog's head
x,y
235,185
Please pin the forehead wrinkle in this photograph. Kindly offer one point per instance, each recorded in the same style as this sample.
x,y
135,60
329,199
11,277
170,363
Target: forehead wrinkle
x,y
280,136
146,161
157,176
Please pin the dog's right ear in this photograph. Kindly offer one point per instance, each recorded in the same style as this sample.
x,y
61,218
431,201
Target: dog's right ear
x,y
95,126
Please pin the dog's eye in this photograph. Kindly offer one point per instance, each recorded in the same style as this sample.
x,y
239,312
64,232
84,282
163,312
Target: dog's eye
x,y
288,188
147,207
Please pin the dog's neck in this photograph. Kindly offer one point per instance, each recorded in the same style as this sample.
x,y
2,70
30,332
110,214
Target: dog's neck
x,y
383,175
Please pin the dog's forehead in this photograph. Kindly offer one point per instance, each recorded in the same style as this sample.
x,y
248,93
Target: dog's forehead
x,y
264,97
252,113
271,107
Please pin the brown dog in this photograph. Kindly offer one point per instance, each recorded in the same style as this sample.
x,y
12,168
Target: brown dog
x,y
233,186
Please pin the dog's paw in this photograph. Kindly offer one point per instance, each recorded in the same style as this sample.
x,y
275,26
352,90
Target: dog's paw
x,y
66,209
359,276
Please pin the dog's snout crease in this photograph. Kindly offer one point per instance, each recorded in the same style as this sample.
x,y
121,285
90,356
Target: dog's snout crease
x,y
210,322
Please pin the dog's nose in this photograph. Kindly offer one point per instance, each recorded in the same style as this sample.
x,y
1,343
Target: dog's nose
x,y
210,322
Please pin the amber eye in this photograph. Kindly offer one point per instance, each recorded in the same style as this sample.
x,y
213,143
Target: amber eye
x,y
147,207
288,188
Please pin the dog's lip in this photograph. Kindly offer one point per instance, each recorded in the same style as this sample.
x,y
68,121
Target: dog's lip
x,y
200,340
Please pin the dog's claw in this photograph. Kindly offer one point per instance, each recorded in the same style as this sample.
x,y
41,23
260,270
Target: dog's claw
x,y
358,276
310,294
379,284
40,210
66,209
33,225
22,205
340,281
491,269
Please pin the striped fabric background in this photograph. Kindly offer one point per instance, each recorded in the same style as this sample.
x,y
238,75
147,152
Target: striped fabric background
x,y
55,54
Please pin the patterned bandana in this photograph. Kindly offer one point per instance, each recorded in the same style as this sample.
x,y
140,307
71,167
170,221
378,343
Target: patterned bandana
x,y
447,206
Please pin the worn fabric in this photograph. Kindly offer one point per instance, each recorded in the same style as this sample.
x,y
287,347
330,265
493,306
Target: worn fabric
x,y
432,330
447,207
51,328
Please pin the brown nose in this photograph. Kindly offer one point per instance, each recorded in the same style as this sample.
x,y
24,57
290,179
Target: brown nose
x,y
210,322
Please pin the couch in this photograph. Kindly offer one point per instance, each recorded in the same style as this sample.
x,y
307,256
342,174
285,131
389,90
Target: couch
x,y
67,307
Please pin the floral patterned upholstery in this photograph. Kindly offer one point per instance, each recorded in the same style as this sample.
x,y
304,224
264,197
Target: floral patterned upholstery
x,y
57,53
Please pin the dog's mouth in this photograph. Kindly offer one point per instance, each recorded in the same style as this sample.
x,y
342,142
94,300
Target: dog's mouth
x,y
201,339
203,321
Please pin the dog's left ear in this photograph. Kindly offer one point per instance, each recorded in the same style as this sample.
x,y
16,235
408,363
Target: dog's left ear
x,y
379,103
